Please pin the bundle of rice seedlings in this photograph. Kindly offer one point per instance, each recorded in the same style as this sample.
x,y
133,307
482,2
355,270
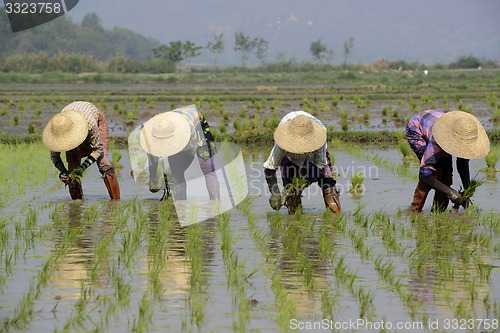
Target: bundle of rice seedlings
x,y
357,184
75,176
294,190
474,184
469,192
405,150
116,157
298,185
491,161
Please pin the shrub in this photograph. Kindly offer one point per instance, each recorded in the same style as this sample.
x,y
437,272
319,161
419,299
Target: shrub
x,y
466,62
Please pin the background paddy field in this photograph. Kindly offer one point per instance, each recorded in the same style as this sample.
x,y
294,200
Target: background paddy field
x,y
98,265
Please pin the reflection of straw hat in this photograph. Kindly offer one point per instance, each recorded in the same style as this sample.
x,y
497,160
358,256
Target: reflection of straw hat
x,y
165,134
300,135
461,134
65,131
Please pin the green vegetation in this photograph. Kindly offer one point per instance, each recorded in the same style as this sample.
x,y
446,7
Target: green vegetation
x,y
102,265
357,187
491,161
76,175
89,38
469,191
405,150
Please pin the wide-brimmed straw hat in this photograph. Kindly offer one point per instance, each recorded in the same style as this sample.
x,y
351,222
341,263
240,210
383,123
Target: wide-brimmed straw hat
x,y
300,135
65,131
461,134
165,134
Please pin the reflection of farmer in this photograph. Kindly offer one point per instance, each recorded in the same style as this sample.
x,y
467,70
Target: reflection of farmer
x,y
300,151
181,135
80,130
435,136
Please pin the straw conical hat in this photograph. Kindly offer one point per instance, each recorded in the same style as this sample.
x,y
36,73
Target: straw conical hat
x,y
65,131
300,135
461,134
165,134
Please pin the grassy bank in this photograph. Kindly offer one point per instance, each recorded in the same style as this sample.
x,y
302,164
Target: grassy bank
x,y
265,135
330,76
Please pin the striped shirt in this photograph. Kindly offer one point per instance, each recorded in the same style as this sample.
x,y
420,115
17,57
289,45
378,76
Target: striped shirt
x,y
93,140
191,113
317,157
420,126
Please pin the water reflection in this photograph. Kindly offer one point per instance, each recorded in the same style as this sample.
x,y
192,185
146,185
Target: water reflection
x,y
305,275
166,257
446,277
79,265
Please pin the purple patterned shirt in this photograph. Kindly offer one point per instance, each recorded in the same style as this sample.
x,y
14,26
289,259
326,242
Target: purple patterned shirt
x,y
420,128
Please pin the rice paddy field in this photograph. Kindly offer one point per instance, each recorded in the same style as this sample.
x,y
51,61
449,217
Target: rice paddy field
x,y
96,265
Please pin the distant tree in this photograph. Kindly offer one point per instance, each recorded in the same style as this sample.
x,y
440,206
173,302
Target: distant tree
x,y
261,49
216,47
320,51
348,45
466,62
176,52
92,21
190,50
245,45
172,52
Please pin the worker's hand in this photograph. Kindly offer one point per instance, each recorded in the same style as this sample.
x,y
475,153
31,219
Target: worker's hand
x,y
275,201
154,186
465,203
455,197
63,176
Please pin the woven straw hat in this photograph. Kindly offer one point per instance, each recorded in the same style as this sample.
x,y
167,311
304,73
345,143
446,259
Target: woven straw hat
x,y
165,134
65,131
300,135
461,134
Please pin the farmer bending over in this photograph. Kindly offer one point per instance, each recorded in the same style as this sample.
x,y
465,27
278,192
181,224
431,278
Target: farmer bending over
x,y
435,136
81,131
300,151
181,135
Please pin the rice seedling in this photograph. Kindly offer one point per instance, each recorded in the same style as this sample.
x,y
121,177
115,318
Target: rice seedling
x,y
344,125
468,193
357,187
292,193
495,117
385,268
145,315
116,157
405,150
491,161
365,299
366,116
286,306
76,175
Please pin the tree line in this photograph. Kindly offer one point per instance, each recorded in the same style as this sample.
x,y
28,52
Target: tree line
x,y
64,46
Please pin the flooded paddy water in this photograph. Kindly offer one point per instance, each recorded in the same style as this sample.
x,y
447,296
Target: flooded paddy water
x,y
98,265
129,266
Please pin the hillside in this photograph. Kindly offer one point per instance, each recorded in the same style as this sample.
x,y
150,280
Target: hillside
x,y
62,35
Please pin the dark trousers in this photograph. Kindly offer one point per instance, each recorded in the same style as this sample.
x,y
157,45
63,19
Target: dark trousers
x,y
180,162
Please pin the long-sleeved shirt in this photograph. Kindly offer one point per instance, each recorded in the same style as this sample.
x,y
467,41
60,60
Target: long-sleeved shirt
x,y
317,157
193,117
421,124
93,140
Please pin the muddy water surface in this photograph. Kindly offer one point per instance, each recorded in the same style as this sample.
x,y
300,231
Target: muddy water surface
x,y
129,265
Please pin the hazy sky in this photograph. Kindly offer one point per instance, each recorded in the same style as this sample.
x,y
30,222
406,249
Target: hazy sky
x,y
428,31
